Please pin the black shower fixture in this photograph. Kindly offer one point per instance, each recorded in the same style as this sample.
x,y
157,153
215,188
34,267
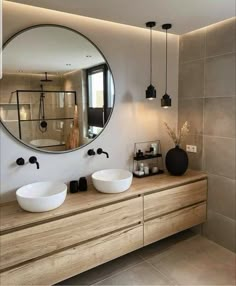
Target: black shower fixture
x,y
166,100
46,78
42,122
151,91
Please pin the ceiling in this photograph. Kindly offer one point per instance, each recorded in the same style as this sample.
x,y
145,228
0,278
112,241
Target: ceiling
x,y
185,15
49,49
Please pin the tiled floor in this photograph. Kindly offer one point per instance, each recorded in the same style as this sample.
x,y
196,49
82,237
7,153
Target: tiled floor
x,y
183,259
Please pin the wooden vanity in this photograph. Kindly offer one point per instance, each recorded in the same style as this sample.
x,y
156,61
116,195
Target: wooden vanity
x,y
92,228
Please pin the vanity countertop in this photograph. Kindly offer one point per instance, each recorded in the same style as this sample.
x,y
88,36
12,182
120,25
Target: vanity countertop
x,y
12,217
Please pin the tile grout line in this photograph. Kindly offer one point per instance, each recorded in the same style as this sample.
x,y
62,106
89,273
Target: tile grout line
x,y
162,273
119,272
206,57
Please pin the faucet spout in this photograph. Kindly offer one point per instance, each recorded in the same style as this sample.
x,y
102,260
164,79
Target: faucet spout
x,y
33,160
100,151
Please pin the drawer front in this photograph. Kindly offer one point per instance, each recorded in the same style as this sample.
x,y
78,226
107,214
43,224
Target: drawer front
x,y
172,223
170,200
29,243
60,266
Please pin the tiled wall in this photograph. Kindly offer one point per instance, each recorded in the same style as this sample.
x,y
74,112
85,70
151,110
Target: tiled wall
x,y
207,100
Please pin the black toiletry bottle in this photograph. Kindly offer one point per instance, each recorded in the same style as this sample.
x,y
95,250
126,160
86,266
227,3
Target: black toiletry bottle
x,y
74,186
139,154
83,186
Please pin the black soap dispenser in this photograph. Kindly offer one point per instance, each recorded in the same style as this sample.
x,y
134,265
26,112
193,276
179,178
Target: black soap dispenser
x,y
83,186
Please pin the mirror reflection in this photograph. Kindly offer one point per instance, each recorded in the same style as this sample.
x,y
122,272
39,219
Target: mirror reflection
x,y
57,91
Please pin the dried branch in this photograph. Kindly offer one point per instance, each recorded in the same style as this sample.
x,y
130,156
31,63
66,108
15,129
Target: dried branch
x,y
177,136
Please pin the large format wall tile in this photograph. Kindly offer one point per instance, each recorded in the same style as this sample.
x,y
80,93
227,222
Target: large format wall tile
x,y
191,110
220,38
222,195
192,46
219,116
191,79
221,230
220,76
207,100
219,156
195,159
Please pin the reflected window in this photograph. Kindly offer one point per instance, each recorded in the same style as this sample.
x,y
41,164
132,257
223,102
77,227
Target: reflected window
x,y
100,92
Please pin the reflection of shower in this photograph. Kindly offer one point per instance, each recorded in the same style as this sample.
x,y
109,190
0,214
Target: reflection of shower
x,y
42,122
46,78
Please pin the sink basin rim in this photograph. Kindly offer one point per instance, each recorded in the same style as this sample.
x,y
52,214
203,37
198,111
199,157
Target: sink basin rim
x,y
28,186
95,174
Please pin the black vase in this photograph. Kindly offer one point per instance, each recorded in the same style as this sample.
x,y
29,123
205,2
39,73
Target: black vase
x,y
176,161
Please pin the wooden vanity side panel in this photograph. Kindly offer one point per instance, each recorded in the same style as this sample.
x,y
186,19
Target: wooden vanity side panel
x,y
166,201
172,223
60,266
33,242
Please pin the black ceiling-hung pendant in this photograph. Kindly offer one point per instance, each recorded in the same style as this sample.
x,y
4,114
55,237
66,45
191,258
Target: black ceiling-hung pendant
x,y
150,91
166,99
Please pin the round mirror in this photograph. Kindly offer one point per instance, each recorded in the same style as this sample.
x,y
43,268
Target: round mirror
x,y
57,90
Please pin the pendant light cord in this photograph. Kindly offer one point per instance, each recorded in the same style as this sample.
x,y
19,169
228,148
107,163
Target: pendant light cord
x,y
166,64
150,55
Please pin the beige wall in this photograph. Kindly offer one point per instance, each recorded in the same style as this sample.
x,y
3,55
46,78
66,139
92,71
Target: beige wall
x,y
207,101
134,118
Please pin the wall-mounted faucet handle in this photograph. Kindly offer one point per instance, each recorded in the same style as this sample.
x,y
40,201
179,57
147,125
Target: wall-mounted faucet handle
x,y
100,151
91,152
33,160
20,161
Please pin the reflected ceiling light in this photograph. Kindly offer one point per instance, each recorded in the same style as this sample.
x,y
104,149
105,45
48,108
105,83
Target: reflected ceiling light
x,y
166,100
150,91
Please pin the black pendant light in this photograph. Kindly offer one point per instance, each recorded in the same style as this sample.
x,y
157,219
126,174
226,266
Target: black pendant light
x,y
150,91
166,100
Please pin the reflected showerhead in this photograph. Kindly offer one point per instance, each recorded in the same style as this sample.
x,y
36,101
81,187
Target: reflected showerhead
x,y
46,78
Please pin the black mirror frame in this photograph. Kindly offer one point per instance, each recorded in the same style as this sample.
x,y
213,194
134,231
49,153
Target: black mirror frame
x,y
72,30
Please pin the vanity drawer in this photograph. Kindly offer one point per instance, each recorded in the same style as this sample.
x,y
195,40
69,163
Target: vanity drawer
x,y
174,222
39,240
166,201
57,267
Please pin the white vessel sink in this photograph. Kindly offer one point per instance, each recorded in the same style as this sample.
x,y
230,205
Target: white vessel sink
x,y
44,142
112,180
41,196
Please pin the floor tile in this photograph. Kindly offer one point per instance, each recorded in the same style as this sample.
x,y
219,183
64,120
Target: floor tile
x,y
197,261
141,274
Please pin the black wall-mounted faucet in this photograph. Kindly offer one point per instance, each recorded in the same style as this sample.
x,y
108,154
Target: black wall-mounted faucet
x,y
100,151
33,160
20,161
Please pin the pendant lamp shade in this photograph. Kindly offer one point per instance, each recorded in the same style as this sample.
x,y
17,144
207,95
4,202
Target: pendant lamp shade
x,y
166,99
150,91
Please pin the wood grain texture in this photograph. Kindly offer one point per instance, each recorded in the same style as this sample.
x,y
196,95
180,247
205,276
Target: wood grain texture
x,y
60,266
12,216
167,201
172,223
42,239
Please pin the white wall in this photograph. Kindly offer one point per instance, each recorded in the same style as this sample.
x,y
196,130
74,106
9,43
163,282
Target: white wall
x,y
134,118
